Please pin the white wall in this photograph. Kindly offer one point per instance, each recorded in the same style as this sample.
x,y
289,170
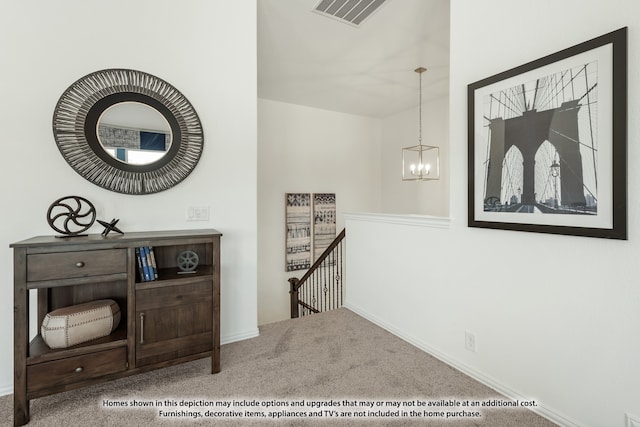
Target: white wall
x,y
207,50
555,317
307,150
402,130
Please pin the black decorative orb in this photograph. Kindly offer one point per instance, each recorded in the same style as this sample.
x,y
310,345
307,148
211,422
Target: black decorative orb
x,y
71,215
188,261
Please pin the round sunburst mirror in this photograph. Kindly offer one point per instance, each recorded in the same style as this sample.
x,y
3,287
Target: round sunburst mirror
x,y
128,131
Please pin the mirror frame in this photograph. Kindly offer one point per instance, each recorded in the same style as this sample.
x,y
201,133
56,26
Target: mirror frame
x,y
76,117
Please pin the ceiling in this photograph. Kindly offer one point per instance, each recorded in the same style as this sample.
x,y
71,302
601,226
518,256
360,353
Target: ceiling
x,y
309,59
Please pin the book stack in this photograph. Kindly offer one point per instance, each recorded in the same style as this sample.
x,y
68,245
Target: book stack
x,y
147,267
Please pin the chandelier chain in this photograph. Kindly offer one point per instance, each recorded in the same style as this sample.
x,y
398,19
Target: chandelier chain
x,y
420,112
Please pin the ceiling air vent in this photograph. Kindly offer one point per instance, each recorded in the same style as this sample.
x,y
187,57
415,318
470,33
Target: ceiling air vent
x,y
352,12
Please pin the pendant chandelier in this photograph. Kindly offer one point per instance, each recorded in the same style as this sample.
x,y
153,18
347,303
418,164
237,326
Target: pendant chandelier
x,y
420,162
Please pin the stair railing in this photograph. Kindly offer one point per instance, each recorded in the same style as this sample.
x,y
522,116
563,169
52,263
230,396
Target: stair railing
x,y
322,286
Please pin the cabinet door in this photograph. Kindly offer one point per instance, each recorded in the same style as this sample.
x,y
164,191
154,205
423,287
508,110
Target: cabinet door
x,y
173,322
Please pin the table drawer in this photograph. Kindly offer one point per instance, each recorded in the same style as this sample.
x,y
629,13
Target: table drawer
x,y
171,296
63,265
58,373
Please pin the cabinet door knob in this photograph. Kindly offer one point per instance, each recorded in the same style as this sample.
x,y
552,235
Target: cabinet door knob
x,y
79,369
80,264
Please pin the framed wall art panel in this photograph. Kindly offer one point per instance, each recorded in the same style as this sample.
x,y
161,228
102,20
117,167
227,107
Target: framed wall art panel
x,y
547,143
324,222
298,238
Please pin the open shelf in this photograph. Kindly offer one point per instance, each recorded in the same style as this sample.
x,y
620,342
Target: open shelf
x,y
175,275
39,351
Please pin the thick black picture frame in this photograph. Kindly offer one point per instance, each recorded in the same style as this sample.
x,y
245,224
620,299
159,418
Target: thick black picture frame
x,y
618,40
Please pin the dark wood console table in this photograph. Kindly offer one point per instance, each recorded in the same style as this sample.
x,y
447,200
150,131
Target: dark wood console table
x,y
172,319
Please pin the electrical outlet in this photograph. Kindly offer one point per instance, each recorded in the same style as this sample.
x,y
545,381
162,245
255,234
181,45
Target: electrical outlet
x,y
198,213
632,421
469,341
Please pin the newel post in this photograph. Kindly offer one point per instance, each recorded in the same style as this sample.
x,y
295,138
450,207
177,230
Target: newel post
x,y
293,282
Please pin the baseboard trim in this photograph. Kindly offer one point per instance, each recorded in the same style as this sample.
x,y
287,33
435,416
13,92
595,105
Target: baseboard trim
x,y
6,389
544,411
239,336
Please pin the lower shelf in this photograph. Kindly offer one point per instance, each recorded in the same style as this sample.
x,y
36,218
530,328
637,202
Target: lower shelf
x,y
40,352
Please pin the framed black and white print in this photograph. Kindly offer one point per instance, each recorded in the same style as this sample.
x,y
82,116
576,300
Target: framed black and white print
x,y
547,143
298,238
324,222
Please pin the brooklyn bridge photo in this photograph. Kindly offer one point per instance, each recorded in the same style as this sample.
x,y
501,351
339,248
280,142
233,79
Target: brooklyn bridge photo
x,y
542,151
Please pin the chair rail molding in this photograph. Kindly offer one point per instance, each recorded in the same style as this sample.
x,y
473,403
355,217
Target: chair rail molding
x,y
414,220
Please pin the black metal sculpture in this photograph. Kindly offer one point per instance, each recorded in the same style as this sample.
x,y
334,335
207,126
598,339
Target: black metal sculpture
x,y
71,216
110,226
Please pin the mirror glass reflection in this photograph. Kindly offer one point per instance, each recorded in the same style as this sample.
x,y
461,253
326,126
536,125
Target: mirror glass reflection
x,y
134,133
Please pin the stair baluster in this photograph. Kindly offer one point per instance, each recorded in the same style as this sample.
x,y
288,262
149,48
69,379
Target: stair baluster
x,y
322,285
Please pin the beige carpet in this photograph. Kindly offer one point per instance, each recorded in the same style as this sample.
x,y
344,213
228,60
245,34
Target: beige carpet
x,y
335,358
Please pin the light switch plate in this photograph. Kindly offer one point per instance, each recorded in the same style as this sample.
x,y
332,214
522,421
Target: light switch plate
x,y
198,213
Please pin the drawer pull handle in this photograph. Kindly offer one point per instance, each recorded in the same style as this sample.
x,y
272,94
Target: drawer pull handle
x,y
141,328
79,369
80,264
